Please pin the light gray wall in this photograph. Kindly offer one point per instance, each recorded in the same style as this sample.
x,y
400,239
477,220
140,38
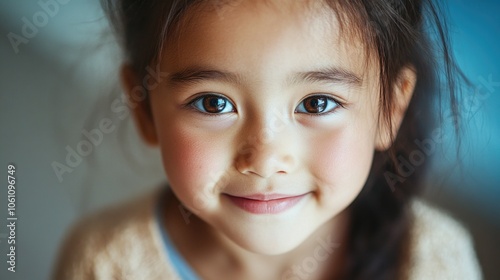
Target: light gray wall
x,y
49,93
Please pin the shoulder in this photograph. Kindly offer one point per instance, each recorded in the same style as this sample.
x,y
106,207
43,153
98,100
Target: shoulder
x,y
440,246
115,243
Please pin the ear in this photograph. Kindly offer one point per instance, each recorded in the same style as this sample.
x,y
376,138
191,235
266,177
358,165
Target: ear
x,y
403,92
139,104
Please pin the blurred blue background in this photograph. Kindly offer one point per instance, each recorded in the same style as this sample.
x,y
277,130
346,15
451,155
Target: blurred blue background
x,y
475,35
51,86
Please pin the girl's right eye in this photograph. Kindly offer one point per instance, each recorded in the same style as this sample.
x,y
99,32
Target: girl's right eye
x,y
212,104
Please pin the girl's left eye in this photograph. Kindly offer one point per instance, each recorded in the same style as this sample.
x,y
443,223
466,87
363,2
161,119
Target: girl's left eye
x,y
318,104
212,104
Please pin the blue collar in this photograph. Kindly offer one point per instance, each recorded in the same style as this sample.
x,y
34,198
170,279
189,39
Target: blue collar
x,y
179,263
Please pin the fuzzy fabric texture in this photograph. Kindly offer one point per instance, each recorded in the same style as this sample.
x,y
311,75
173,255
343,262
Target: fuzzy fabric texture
x,y
124,242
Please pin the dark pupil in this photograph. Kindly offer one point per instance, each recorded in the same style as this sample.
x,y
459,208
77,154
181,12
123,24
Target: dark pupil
x,y
315,104
214,104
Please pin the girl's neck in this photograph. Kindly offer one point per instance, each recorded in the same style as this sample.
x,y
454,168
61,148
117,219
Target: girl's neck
x,y
214,256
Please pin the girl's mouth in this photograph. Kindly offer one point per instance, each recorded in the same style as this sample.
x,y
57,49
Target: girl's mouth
x,y
266,203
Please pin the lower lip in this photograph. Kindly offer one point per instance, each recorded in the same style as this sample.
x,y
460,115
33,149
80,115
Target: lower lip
x,y
273,206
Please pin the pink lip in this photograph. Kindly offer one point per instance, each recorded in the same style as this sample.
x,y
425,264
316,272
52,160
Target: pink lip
x,y
266,203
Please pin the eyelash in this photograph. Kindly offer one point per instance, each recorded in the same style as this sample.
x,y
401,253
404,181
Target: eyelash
x,y
328,97
191,104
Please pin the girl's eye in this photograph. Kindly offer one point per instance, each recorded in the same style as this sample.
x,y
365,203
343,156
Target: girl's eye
x,y
213,104
317,105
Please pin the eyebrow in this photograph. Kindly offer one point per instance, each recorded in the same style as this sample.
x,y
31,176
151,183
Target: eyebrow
x,y
333,75
199,74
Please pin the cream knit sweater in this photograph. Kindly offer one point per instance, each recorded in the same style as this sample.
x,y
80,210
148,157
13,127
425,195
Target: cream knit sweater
x,y
124,242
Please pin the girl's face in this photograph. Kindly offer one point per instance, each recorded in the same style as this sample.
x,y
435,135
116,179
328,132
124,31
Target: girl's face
x,y
267,121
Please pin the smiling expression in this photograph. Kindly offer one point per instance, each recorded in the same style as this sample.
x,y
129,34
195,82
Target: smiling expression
x,y
267,122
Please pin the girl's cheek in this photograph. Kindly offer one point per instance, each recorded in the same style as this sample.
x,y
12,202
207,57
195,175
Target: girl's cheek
x,y
192,163
341,162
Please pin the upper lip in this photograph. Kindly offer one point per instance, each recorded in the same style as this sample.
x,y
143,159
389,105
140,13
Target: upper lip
x,y
266,196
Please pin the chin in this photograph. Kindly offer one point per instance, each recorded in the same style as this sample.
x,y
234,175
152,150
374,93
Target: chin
x,y
267,240
270,247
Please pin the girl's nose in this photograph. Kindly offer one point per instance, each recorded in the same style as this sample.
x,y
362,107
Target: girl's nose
x,y
265,152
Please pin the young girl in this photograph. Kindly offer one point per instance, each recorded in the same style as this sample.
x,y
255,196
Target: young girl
x,y
294,135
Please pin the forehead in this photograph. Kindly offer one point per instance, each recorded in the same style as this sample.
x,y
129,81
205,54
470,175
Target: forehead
x,y
292,34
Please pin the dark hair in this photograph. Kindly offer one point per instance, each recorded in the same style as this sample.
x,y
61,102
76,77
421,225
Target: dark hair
x,y
398,33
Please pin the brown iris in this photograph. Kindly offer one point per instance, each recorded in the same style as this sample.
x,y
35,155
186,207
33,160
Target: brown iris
x,y
315,104
214,104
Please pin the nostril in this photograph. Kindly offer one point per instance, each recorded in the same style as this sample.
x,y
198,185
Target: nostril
x,y
265,160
